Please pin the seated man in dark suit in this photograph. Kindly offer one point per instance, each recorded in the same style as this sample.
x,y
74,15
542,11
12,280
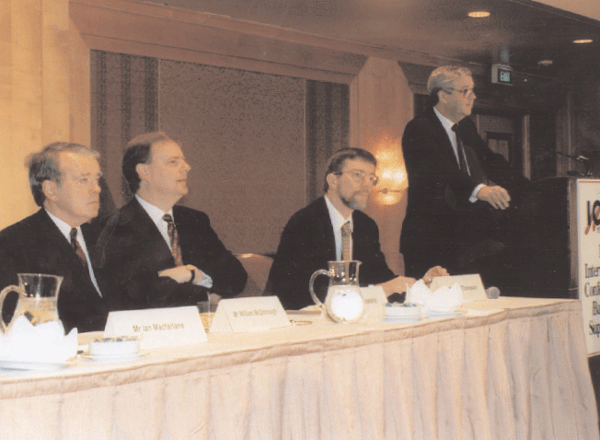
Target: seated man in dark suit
x,y
58,239
314,235
159,254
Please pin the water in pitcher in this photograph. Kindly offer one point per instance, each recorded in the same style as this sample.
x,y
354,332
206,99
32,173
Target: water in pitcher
x,y
37,310
344,303
38,299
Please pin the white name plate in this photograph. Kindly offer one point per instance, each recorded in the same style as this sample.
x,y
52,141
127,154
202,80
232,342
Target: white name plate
x,y
471,285
249,314
375,301
160,327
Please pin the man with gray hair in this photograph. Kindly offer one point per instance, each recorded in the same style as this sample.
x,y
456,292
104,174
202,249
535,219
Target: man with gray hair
x,y
57,239
448,165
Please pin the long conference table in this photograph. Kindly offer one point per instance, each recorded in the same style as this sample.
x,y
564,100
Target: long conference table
x,y
511,368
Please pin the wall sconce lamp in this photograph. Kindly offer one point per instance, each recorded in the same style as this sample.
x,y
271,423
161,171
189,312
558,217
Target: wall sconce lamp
x,y
393,180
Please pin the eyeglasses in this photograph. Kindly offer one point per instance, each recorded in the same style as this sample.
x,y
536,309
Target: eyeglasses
x,y
465,92
359,176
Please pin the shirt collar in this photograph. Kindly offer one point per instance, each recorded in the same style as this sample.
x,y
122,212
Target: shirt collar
x,y
337,220
156,214
63,227
447,123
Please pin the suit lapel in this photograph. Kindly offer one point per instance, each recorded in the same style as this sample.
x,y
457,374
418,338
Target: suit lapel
x,y
54,239
148,238
189,233
442,136
57,244
325,228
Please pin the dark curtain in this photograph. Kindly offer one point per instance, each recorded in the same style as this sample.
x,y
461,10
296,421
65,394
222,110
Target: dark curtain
x,y
124,101
327,129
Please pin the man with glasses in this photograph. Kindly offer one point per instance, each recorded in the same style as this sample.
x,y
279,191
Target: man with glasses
x,y
448,165
334,228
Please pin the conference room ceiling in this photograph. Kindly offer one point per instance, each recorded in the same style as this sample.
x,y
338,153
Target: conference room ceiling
x,y
522,32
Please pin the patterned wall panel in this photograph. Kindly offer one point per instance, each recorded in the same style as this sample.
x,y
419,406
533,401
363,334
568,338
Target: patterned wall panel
x,y
243,133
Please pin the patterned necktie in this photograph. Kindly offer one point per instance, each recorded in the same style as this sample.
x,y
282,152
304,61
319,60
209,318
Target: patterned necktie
x,y
174,239
76,246
346,242
460,150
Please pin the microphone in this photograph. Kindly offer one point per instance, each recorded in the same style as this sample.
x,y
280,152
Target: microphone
x,y
579,158
492,292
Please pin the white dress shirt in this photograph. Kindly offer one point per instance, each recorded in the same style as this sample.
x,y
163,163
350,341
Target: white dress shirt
x,y
65,230
448,124
337,221
156,214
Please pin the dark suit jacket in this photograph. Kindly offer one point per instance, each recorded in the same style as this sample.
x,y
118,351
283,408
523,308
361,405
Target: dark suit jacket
x,y
307,244
36,245
132,251
437,224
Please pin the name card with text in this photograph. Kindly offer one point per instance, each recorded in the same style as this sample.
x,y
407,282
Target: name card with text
x,y
249,314
375,301
160,327
471,285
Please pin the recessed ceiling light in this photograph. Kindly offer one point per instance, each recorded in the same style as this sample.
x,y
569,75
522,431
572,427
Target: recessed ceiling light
x,y
479,14
583,41
545,63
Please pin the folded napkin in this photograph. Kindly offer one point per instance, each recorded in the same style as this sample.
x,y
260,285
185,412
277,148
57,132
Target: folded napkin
x,y
417,292
444,299
41,343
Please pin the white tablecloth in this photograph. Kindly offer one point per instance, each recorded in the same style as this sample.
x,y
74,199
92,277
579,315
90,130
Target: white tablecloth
x,y
514,369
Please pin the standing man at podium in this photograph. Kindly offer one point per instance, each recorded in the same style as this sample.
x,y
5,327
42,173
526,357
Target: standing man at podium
x,y
449,195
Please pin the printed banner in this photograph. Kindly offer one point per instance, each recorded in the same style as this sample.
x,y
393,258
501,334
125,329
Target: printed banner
x,y
588,251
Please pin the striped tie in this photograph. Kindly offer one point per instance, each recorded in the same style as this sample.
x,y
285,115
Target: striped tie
x,y
77,247
174,239
346,242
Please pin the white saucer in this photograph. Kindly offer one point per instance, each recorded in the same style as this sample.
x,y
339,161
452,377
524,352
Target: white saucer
x,y
446,314
116,358
31,366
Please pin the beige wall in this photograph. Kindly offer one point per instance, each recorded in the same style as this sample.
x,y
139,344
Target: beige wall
x,y
381,104
44,92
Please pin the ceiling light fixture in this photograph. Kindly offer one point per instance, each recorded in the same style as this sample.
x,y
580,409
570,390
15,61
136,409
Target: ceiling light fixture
x,y
479,14
545,63
583,41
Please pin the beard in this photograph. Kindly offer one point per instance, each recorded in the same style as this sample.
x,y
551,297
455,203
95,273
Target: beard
x,y
354,202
